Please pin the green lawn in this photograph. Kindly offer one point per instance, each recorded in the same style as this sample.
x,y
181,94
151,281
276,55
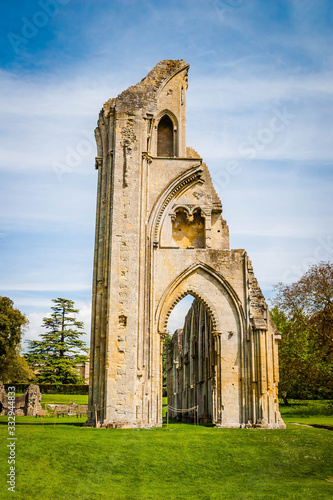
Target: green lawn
x,y
308,412
81,399
184,462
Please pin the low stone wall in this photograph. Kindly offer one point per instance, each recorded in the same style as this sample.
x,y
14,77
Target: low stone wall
x,y
27,404
67,409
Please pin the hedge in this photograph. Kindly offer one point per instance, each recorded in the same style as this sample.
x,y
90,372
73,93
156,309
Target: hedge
x,y
53,388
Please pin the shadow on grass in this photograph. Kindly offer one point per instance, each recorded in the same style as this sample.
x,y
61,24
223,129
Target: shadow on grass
x,y
327,427
306,408
179,422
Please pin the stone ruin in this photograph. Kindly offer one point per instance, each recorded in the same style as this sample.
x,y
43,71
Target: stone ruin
x,y
70,409
27,404
190,366
160,235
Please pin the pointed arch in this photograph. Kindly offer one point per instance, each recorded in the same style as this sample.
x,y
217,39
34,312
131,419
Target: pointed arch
x,y
206,285
196,294
167,134
178,185
169,114
165,138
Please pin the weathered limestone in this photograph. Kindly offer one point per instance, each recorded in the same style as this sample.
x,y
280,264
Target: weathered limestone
x,y
27,404
160,235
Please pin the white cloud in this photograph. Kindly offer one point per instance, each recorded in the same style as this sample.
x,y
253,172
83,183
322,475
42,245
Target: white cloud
x,y
177,316
35,327
38,303
238,93
260,118
55,120
85,316
46,287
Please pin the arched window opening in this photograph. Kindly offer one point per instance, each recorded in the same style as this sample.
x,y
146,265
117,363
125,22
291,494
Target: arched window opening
x,y
188,361
188,230
165,137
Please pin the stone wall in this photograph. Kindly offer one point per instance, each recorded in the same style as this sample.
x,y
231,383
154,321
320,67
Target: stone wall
x,y
68,409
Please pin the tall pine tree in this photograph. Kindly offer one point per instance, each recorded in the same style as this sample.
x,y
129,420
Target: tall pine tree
x,y
61,349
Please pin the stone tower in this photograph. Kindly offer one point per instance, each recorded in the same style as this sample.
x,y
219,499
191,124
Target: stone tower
x,y
160,235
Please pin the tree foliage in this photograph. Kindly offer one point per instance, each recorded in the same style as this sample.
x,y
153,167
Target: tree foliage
x,y
167,341
303,313
13,367
61,348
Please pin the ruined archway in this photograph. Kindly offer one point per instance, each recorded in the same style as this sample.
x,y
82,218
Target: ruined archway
x,y
225,333
189,359
207,286
143,265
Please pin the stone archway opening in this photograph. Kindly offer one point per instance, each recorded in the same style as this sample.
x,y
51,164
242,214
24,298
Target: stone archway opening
x,y
189,361
165,137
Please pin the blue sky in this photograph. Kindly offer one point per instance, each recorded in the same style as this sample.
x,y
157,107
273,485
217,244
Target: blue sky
x,y
259,111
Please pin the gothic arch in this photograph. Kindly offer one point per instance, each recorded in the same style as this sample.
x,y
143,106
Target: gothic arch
x,y
170,114
191,290
166,134
178,185
181,286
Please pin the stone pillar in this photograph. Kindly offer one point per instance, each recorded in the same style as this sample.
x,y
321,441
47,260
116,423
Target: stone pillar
x,y
217,386
208,228
32,400
159,395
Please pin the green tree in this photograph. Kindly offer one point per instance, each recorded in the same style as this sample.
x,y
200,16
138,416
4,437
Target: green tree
x,y
296,356
303,313
167,341
61,348
13,367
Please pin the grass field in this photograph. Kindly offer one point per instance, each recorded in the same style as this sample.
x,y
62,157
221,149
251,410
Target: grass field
x,y
81,399
308,412
68,461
